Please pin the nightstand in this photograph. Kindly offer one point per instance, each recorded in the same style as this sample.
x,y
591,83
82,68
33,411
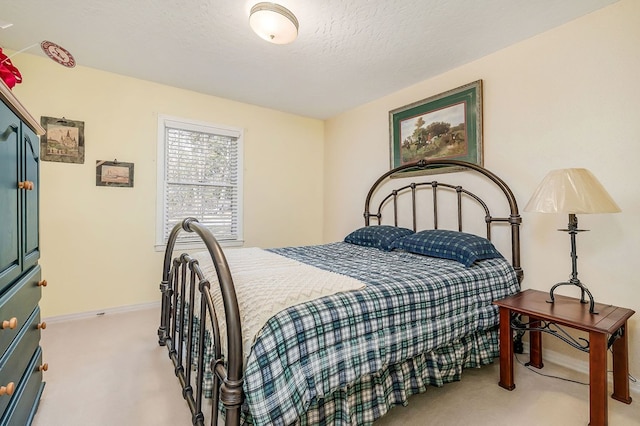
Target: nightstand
x,y
606,330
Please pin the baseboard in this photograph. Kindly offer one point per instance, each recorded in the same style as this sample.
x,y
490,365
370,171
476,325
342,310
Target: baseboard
x,y
580,366
108,311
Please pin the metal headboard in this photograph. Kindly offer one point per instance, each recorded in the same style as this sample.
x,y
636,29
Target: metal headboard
x,y
412,188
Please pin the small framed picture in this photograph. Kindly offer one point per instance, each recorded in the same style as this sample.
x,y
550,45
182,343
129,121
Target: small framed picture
x,y
63,140
114,173
448,125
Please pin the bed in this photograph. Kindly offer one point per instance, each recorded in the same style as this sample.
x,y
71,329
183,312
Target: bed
x,y
340,333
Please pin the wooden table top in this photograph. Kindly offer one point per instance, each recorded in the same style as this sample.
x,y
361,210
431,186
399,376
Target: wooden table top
x,y
567,311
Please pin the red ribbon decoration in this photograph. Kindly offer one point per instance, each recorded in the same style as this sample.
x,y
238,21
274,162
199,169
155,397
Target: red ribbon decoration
x,y
8,72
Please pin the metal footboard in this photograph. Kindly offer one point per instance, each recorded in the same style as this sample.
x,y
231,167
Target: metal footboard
x,y
184,328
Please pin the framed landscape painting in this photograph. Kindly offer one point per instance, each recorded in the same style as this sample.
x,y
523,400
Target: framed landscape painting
x,y
448,125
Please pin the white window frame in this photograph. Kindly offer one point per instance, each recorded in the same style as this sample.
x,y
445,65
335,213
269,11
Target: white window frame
x,y
165,121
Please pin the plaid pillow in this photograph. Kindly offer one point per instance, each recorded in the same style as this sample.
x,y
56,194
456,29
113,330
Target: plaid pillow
x,y
379,236
462,247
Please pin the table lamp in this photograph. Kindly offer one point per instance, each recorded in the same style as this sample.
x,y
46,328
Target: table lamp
x,y
572,191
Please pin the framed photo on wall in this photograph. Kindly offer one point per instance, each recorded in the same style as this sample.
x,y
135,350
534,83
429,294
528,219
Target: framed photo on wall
x,y
448,125
114,173
63,140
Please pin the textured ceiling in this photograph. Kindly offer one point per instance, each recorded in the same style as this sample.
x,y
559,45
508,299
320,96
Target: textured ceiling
x,y
348,52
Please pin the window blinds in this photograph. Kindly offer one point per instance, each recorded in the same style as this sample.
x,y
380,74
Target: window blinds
x,y
201,181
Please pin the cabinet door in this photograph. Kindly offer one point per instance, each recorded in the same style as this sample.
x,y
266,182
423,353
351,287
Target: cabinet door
x,y
10,199
31,162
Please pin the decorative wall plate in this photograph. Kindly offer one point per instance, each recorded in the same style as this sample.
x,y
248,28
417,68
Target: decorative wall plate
x,y
58,53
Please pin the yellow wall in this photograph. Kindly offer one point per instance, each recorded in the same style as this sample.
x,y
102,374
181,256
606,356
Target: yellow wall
x,y
566,98
97,242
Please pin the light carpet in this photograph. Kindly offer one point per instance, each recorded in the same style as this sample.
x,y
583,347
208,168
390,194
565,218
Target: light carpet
x,y
109,370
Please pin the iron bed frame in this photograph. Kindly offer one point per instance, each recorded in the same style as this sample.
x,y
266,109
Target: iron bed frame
x,y
182,277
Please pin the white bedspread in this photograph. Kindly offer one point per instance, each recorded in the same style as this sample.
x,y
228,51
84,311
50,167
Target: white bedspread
x,y
267,283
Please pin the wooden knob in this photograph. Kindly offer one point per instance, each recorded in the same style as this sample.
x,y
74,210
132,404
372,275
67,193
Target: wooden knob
x,y
41,325
8,390
26,185
42,283
11,324
43,367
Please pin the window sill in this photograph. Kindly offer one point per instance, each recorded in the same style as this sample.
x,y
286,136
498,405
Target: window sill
x,y
198,246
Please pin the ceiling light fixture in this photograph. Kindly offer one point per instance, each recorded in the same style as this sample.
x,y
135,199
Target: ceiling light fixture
x,y
274,23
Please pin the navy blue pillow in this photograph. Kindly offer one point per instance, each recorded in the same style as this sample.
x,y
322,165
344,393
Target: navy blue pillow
x,y
462,247
380,236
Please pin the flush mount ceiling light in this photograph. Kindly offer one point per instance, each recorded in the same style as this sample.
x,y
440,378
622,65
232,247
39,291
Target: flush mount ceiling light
x,y
274,23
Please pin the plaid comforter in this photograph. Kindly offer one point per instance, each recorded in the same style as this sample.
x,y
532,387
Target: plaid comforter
x,y
413,307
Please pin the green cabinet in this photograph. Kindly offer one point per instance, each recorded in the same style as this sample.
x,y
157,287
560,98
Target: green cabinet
x,y
10,199
21,283
30,145
19,187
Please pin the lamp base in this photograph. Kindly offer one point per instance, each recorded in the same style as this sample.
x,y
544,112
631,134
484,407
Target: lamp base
x,y
583,290
572,229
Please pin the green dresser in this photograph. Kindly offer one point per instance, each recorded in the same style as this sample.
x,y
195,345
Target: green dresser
x,y
21,282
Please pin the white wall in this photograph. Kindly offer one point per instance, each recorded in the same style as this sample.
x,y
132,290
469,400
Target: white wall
x,y
566,98
98,242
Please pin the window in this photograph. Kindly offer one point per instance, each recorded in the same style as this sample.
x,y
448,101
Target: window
x,y
199,175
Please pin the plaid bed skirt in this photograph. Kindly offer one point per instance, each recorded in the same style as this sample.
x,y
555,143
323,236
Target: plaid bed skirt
x,y
374,395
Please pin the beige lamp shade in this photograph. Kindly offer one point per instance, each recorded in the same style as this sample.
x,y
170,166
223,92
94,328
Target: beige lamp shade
x,y
573,191
273,23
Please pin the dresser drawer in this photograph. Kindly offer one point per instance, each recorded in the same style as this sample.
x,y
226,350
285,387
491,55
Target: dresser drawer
x,y
15,360
27,396
16,305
